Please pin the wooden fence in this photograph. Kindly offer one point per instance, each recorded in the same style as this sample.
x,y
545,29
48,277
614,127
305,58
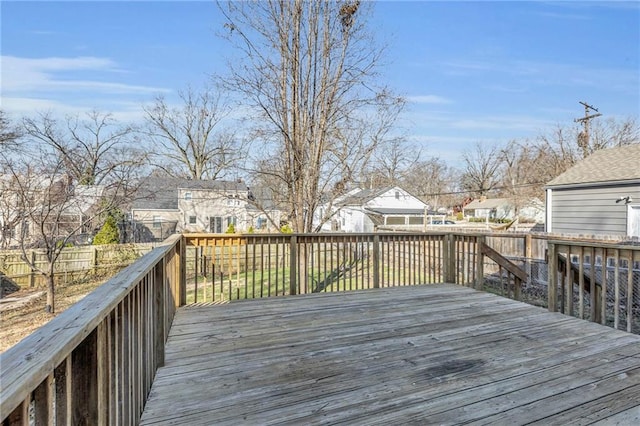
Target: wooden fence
x,y
72,262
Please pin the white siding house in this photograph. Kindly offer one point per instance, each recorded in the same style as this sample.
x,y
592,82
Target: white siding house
x,y
365,210
167,205
503,208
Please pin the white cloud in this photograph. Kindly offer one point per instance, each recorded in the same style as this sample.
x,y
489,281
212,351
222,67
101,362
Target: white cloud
x,y
69,86
429,99
51,74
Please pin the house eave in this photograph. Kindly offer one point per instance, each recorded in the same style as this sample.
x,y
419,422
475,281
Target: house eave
x,y
594,184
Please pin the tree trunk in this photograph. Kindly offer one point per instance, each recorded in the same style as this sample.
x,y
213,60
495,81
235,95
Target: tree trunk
x,y
50,307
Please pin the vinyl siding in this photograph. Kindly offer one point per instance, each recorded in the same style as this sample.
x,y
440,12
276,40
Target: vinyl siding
x,y
591,210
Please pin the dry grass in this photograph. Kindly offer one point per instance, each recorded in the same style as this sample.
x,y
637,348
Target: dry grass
x,y
18,320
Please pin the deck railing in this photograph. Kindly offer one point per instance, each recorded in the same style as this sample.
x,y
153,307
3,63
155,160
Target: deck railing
x,y
223,268
598,282
94,363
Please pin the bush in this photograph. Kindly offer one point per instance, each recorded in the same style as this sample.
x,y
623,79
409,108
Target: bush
x,y
286,229
231,229
108,234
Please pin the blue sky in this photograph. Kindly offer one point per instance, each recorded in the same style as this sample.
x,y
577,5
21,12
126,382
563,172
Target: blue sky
x,y
472,71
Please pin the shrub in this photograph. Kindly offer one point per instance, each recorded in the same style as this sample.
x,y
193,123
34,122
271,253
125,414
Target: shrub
x,y
109,233
286,229
231,229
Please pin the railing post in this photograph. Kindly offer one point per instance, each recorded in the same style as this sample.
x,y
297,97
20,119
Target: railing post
x,y
479,282
181,252
528,254
293,263
552,288
84,379
450,259
376,261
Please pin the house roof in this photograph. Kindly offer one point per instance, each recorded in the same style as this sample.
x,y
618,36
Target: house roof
x,y
489,203
395,211
361,197
161,193
604,166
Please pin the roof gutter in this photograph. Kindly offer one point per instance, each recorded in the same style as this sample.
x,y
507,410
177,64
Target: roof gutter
x,y
594,184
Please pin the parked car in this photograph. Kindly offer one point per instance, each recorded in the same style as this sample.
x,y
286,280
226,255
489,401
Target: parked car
x,y
440,222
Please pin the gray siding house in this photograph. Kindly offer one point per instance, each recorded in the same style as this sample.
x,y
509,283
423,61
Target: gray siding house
x,y
600,195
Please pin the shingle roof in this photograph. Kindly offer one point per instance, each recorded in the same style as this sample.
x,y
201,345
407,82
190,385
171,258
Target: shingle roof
x,y
363,196
607,165
489,203
161,193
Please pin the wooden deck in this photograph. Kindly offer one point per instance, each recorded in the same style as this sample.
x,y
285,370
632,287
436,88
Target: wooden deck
x,y
437,354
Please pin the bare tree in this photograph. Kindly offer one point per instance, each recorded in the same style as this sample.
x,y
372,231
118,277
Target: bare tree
x,y
52,208
481,172
433,181
91,148
306,71
191,140
392,162
560,148
9,134
520,181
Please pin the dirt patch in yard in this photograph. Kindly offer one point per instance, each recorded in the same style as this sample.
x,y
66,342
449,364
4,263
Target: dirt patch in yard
x,y
22,312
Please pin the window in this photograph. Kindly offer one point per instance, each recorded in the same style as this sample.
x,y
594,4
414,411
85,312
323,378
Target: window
x,y
215,224
187,196
397,195
192,220
231,220
157,222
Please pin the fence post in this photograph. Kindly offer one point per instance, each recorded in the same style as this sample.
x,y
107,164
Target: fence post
x,y
552,288
32,275
94,259
293,263
376,261
479,282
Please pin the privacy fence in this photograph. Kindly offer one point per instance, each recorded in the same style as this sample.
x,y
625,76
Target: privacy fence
x,y
73,262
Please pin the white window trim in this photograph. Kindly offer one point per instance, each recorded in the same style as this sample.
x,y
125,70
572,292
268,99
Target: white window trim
x,y
629,208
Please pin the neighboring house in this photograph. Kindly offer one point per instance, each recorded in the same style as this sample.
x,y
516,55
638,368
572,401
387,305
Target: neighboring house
x,y
600,195
44,204
167,205
363,210
503,208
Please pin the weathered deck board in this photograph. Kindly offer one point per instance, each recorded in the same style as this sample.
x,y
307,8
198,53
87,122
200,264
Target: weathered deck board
x,y
438,354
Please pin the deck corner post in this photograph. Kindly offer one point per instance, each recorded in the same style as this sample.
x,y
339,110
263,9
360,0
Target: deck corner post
x,y
182,269
376,261
552,287
479,281
293,263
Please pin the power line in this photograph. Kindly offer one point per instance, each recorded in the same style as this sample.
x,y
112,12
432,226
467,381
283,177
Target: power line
x,y
467,191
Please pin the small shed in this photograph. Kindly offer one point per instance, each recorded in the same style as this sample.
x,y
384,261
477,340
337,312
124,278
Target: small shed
x,y
599,195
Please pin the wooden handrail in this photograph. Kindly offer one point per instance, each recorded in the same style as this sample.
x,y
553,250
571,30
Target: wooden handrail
x,y
71,369
503,262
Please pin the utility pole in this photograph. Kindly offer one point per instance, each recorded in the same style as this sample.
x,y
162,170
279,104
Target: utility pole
x,y
583,137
